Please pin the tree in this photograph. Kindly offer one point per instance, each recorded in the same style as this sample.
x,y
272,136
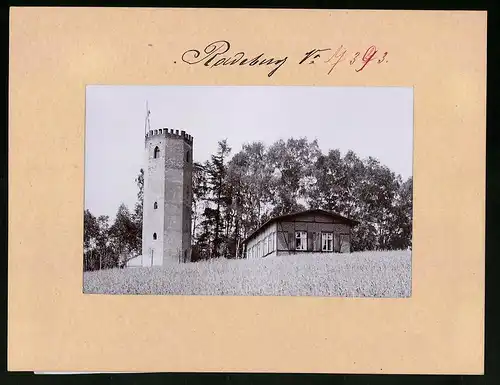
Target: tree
x,y
90,235
353,178
256,173
363,236
108,257
90,229
293,161
329,174
378,194
237,169
401,220
216,171
248,199
139,206
99,252
125,236
200,193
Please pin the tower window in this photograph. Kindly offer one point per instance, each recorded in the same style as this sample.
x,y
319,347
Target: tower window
x,y
155,206
187,156
156,152
154,236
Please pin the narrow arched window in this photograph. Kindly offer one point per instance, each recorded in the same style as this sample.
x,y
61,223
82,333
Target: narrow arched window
x,y
155,206
187,156
156,152
154,236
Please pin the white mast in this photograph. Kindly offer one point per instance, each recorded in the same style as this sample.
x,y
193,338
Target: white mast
x,y
147,123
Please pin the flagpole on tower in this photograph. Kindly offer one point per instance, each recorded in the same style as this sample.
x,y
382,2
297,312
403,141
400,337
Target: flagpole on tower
x,y
147,123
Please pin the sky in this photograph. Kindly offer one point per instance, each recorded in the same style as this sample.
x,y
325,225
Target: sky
x,y
371,121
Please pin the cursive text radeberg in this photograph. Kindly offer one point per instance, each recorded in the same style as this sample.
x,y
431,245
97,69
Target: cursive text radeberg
x,y
214,55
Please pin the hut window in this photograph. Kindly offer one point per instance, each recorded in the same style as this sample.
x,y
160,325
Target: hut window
x,y
155,206
156,152
300,240
265,246
327,242
154,236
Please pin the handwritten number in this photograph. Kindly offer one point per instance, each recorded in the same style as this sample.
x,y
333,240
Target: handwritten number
x,y
351,62
382,59
367,57
339,55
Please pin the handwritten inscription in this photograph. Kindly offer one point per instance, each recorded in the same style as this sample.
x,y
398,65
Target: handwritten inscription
x,y
357,59
217,54
214,55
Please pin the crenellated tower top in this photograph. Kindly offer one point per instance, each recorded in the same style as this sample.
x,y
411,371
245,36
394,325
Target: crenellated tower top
x,y
169,133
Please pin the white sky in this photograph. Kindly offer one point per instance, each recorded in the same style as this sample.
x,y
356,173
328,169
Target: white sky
x,y
371,121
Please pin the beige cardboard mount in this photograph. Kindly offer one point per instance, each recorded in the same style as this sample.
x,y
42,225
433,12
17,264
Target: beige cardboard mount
x,y
52,326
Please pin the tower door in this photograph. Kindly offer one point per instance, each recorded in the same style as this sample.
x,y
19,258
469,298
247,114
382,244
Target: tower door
x,y
149,258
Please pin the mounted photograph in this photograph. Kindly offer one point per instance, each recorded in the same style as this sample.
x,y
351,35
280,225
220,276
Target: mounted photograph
x,y
248,191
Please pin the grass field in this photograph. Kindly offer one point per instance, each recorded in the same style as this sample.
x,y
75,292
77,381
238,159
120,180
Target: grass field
x,y
366,274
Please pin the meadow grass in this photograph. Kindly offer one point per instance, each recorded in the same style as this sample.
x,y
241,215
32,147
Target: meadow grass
x,y
364,274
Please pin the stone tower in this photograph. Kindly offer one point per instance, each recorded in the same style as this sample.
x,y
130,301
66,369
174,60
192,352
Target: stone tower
x,y
166,231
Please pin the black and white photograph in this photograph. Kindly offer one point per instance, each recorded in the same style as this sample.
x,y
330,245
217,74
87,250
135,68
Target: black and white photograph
x,y
248,191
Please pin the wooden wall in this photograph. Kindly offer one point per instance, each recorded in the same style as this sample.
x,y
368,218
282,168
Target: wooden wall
x,y
255,247
314,226
283,235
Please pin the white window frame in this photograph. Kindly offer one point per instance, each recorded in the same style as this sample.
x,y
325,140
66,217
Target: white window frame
x,y
325,237
270,243
302,235
265,246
